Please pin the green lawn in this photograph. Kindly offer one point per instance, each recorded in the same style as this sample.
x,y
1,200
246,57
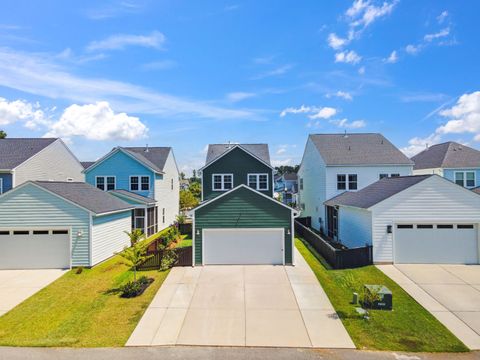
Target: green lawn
x,y
409,327
185,242
79,311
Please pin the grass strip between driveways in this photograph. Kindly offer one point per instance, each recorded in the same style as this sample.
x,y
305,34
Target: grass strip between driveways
x,y
77,310
409,327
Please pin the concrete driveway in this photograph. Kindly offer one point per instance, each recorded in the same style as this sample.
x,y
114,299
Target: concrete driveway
x,y
450,292
242,306
18,285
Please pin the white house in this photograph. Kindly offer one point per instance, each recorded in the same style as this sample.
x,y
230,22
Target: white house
x,y
335,163
411,219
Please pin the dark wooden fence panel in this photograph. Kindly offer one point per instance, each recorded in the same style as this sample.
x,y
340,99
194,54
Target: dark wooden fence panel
x,y
185,229
184,258
337,258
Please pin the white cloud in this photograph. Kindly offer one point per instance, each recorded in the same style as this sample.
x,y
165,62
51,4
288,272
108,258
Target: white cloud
x,y
393,58
97,122
364,13
20,110
324,113
464,116
344,123
336,42
412,49
239,96
361,71
301,110
280,70
159,65
41,75
282,162
417,144
349,57
442,17
341,94
120,41
442,33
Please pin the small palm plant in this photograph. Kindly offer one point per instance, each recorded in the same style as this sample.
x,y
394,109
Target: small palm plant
x,y
134,256
135,236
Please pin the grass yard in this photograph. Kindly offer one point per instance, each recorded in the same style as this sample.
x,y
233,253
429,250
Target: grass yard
x,y
78,310
185,242
409,327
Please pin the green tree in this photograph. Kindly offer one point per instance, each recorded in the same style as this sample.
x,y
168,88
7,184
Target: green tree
x,y
135,236
3,134
134,256
196,189
182,176
187,200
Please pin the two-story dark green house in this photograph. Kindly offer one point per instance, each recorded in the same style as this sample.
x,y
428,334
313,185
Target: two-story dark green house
x,y
239,221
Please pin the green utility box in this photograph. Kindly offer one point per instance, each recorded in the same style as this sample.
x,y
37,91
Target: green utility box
x,y
377,297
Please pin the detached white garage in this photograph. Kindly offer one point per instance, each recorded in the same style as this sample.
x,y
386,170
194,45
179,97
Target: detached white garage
x,y
412,219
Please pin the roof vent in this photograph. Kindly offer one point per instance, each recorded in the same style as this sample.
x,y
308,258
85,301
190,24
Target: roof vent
x,y
345,135
146,148
349,148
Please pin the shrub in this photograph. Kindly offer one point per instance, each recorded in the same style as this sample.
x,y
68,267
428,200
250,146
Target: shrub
x,y
135,288
79,270
168,259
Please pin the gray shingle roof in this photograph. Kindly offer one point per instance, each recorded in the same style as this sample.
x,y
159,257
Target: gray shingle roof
x,y
86,196
259,150
87,164
447,155
153,157
358,149
15,151
137,197
376,192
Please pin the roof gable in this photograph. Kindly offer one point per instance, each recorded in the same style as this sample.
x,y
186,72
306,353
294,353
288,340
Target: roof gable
x,y
358,149
15,151
447,155
258,151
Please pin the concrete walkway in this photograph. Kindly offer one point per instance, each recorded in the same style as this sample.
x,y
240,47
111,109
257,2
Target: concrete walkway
x,y
450,292
278,306
18,285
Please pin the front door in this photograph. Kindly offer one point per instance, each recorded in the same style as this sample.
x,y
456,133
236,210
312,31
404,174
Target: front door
x,y
332,222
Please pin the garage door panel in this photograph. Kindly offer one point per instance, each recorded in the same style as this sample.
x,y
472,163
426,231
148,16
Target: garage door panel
x,y
436,245
243,246
34,251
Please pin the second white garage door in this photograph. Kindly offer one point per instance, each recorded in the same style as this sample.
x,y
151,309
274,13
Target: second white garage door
x,y
436,244
243,246
34,249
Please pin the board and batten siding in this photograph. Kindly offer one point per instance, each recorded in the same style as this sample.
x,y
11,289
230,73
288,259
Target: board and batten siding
x,y
30,206
55,162
121,166
312,196
354,226
243,208
434,200
240,164
168,198
108,235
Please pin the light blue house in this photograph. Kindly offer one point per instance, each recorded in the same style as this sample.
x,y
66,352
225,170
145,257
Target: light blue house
x,y
146,177
49,224
286,185
453,161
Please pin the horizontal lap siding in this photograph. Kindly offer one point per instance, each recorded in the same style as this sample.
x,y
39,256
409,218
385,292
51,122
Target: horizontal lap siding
x,y
434,200
108,235
354,227
31,207
243,209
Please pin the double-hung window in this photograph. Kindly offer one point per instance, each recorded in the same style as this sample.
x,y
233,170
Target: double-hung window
x,y
105,183
381,176
138,183
258,181
352,182
347,181
341,182
222,182
465,178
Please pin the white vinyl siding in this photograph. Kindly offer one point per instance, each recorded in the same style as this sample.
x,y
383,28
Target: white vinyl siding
x,y
433,201
167,197
55,162
354,227
108,235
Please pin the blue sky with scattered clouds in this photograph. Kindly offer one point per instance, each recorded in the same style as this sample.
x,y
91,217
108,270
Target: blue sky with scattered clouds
x,y
185,74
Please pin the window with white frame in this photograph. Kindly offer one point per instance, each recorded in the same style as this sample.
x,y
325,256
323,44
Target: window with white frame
x,y
465,178
222,182
258,181
301,183
352,182
347,181
1,186
138,183
145,183
341,182
105,183
381,176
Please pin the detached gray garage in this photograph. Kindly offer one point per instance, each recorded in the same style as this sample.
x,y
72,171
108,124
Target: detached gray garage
x,y
411,219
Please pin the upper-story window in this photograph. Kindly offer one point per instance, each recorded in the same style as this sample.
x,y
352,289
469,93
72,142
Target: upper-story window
x,y
381,176
301,183
105,183
465,178
171,184
1,186
138,183
222,182
258,181
347,181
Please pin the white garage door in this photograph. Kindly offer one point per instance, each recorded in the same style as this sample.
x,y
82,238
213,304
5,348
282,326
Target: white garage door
x,y
243,246
436,243
34,249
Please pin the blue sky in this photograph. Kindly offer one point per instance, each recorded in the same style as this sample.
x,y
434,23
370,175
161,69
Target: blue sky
x,y
185,74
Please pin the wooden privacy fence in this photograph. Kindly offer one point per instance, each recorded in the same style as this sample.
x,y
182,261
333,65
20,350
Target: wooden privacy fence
x,y
184,258
337,258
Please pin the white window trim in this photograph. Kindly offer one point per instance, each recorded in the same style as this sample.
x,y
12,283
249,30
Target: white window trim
x,y
105,182
347,182
223,182
1,186
257,175
139,182
465,178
